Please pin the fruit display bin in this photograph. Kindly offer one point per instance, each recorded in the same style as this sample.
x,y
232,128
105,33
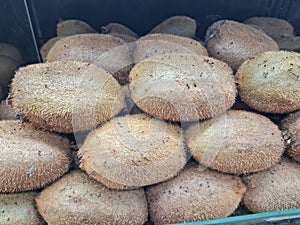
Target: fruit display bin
x,y
28,24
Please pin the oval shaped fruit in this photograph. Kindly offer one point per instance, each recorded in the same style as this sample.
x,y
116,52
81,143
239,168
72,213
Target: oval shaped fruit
x,y
19,208
77,199
289,43
290,127
66,96
133,151
72,27
158,44
30,159
272,26
275,189
111,53
234,42
117,28
47,46
177,25
10,51
270,82
182,87
194,195
238,142
7,69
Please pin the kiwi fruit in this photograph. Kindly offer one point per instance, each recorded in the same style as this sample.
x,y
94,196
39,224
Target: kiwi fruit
x,y
7,69
6,111
117,28
238,142
234,42
73,27
275,189
10,51
182,87
19,209
126,38
270,82
194,195
290,127
133,151
77,199
30,159
158,44
66,96
109,52
177,25
289,43
47,46
272,26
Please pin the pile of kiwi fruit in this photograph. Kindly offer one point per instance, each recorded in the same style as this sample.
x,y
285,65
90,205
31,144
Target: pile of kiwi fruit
x,y
113,128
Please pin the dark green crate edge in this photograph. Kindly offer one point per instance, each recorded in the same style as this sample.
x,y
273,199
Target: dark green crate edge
x,y
259,217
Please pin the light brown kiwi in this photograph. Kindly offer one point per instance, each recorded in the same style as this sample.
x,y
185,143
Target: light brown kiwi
x,y
182,87
272,26
126,38
47,46
133,151
73,27
270,82
6,111
77,199
30,159
290,127
289,43
66,96
19,209
177,25
10,51
238,142
107,51
275,189
158,44
234,42
194,195
117,28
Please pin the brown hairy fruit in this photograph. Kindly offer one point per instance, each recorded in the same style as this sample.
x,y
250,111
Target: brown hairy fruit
x,y
47,46
77,199
117,28
10,51
30,159
238,142
270,82
73,27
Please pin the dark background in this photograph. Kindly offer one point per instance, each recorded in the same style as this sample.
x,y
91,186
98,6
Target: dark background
x,y
139,15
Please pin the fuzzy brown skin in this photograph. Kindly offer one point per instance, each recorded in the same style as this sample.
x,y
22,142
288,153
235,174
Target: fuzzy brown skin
x,y
6,111
289,43
72,27
66,96
133,151
125,38
117,28
7,70
270,82
77,199
30,158
10,51
194,195
275,189
158,44
290,127
19,208
182,87
177,25
238,142
234,42
47,46
109,52
272,26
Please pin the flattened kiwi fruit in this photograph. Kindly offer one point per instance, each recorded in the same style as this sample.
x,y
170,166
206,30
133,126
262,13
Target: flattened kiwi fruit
x,y
19,209
117,28
10,51
234,42
289,43
158,44
47,46
238,142
194,195
66,96
270,82
109,52
30,158
272,26
290,127
77,199
177,25
6,111
73,27
133,151
182,87
275,189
